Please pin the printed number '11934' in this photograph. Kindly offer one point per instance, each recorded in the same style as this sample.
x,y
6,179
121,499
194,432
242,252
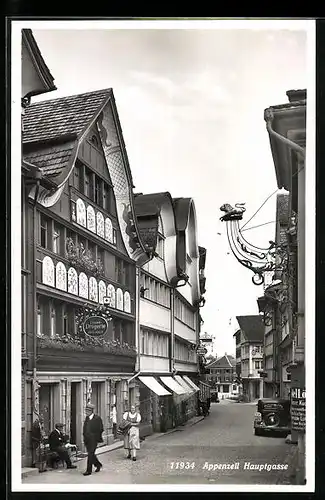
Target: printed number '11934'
x,y
182,465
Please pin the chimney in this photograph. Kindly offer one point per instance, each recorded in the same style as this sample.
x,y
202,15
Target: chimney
x,y
296,95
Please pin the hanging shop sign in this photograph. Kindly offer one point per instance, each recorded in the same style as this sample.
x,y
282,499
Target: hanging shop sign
x,y
298,409
95,326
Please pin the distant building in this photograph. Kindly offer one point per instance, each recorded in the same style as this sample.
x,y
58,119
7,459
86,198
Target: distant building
x,y
251,355
222,375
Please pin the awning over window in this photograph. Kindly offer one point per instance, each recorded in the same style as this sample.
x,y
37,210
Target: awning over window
x,y
154,386
189,381
189,389
173,385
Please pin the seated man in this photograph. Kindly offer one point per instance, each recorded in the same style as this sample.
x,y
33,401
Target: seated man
x,y
57,442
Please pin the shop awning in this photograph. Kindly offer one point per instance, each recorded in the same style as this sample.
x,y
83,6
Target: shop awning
x,y
189,381
154,386
189,389
173,385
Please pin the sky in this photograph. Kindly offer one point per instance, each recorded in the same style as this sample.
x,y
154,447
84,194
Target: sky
x,y
191,105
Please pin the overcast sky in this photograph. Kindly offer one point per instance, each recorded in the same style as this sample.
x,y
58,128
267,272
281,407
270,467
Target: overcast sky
x,y
191,106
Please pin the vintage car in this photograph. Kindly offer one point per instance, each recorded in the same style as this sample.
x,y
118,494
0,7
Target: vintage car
x,y
272,416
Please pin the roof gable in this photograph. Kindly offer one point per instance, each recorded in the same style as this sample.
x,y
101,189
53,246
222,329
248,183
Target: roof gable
x,y
227,361
51,119
252,327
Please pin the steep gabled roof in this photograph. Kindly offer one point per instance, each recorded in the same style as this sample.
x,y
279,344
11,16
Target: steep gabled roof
x,y
36,57
226,361
53,128
252,327
54,118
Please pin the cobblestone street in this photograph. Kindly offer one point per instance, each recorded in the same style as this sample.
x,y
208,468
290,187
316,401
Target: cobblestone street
x,y
187,456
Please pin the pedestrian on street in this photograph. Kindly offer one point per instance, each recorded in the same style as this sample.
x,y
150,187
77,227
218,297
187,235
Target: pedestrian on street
x,y
57,442
92,432
39,459
114,421
131,438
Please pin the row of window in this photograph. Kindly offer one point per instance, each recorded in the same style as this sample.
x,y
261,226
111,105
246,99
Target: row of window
x,y
79,284
184,313
86,216
53,235
213,370
155,291
69,244
55,317
93,187
183,352
257,349
257,365
154,343
221,379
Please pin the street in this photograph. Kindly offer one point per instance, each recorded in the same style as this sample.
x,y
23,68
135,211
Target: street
x,y
194,455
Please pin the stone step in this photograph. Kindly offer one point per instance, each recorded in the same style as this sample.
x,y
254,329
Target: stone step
x,y
29,471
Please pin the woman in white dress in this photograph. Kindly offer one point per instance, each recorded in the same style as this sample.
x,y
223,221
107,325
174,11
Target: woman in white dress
x,y
131,438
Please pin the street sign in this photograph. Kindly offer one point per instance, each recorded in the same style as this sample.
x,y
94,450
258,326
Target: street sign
x,y
298,409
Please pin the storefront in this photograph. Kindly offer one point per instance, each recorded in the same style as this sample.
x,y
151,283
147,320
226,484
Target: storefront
x,y
165,401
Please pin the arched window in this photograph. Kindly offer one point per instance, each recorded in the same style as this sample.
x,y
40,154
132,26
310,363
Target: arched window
x,y
127,302
91,221
102,291
111,295
119,299
81,213
83,286
72,281
100,225
48,271
61,276
108,230
93,289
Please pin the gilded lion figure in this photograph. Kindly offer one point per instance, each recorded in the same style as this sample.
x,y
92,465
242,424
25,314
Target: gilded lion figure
x,y
232,213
